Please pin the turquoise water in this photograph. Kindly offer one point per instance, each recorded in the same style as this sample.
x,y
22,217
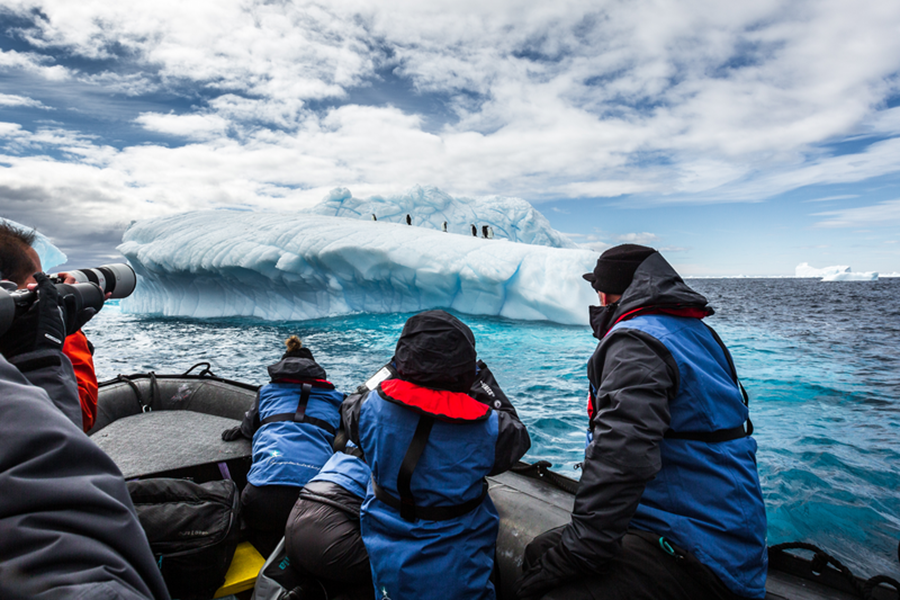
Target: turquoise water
x,y
821,362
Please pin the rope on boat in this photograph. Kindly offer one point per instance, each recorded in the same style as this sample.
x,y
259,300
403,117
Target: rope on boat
x,y
874,582
541,470
819,567
134,388
206,372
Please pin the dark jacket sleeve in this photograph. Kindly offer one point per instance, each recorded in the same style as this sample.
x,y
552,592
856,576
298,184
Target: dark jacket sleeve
x,y
52,371
250,423
67,524
350,415
513,440
635,379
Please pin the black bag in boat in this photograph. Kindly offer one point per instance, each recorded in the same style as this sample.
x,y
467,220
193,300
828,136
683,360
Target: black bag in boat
x,y
193,531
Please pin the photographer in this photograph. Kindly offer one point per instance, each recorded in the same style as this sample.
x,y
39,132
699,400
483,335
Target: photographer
x,y
18,262
67,524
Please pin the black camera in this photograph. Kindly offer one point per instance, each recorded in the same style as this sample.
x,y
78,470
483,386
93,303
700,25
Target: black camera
x,y
118,279
14,303
89,292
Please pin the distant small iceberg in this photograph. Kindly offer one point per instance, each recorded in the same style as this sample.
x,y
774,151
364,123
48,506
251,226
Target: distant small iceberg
x,y
835,273
50,255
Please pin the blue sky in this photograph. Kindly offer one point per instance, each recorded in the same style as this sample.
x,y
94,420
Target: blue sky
x,y
738,139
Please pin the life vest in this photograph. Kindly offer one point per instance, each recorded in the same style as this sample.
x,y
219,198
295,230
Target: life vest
x,y
707,497
78,349
297,426
429,451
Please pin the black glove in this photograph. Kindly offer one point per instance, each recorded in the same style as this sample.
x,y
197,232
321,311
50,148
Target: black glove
x,y
229,435
550,572
42,327
75,320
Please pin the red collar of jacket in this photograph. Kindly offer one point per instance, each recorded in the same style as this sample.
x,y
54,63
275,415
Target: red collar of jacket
x,y
443,404
693,312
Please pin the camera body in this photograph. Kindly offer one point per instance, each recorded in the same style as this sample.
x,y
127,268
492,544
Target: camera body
x,y
14,303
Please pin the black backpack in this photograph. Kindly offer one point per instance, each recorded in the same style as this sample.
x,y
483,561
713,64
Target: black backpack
x,y
193,531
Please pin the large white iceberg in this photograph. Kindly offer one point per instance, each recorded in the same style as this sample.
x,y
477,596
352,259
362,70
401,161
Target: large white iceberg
x,y
296,266
50,255
835,273
511,219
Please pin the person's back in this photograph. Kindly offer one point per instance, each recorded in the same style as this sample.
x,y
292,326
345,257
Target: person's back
x,y
708,483
430,445
669,504
292,425
322,537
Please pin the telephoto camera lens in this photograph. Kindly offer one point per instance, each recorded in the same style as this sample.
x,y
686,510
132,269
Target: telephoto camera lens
x,y
118,279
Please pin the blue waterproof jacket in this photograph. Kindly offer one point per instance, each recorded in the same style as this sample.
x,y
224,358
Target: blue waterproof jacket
x,y
292,424
442,523
347,470
707,497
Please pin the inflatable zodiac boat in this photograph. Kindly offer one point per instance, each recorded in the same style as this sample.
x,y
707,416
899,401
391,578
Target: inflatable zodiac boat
x,y
170,426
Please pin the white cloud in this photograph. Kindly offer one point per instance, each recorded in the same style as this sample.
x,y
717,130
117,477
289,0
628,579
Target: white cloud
x,y
832,198
701,101
13,100
644,239
189,126
883,214
32,63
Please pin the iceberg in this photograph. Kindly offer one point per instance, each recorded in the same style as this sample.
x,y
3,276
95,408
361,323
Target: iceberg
x,y
50,255
835,273
512,219
851,276
298,266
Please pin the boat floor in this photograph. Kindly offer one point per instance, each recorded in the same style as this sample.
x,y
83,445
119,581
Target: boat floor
x,y
155,442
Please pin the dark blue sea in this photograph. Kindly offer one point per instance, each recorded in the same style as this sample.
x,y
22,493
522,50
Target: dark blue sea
x,y
820,361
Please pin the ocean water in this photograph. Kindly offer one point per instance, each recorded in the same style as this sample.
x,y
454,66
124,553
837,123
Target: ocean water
x,y
820,361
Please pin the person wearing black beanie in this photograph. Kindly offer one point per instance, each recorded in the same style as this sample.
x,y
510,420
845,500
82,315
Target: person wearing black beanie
x,y
615,268
292,425
669,504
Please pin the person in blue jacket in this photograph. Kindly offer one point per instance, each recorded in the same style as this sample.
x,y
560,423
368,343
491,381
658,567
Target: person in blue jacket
x,y
669,506
430,444
322,537
292,424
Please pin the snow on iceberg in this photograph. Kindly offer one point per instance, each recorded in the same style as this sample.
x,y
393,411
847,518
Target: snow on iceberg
x,y
50,255
850,276
835,273
290,266
512,219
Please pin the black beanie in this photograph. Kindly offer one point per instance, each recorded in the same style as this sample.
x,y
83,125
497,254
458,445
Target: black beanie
x,y
436,350
615,268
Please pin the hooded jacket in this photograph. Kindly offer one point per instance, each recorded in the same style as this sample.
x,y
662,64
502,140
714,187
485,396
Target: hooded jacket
x,y
292,424
659,373
67,524
438,519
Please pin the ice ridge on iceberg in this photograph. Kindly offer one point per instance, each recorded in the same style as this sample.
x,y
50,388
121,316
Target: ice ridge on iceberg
x,y
290,266
512,219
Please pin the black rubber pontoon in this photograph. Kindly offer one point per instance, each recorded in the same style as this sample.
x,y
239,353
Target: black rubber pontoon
x,y
170,425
